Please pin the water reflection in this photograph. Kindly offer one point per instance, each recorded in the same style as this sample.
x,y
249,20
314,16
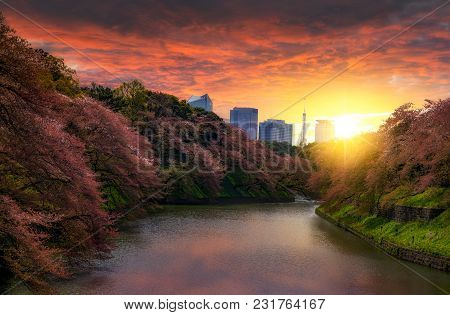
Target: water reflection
x,y
247,249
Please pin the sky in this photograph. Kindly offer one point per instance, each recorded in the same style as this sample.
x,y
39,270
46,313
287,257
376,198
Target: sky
x,y
256,53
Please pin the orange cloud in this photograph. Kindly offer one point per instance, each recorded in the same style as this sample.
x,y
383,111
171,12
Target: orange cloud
x,y
266,56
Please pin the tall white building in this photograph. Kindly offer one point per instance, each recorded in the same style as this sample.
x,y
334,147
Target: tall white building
x,y
324,130
203,101
303,136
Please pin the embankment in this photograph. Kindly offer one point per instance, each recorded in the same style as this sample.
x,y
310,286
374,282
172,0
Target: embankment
x,y
413,255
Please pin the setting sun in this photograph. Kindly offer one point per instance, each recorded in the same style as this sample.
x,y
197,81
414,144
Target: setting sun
x,y
346,126
198,154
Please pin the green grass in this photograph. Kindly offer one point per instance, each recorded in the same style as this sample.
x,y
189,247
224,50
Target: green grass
x,y
431,237
432,197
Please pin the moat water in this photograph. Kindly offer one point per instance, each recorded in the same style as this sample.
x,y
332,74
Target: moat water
x,y
248,249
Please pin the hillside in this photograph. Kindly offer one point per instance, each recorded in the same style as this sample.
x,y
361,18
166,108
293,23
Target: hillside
x,y
63,158
393,185
207,159
74,162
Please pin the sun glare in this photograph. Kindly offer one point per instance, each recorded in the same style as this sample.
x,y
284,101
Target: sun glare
x,y
346,126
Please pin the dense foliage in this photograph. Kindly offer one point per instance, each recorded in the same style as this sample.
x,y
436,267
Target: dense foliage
x,y
64,161
75,160
411,150
283,148
406,163
201,156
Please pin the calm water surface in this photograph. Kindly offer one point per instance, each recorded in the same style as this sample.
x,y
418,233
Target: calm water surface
x,y
249,249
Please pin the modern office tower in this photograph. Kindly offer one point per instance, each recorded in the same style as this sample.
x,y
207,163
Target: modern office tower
x,y
275,130
201,102
324,130
246,119
303,136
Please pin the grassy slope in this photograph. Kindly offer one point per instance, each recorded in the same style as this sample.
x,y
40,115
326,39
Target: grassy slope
x,y
235,185
431,237
238,184
433,197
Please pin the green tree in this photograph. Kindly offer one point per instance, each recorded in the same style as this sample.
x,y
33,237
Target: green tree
x,y
59,76
134,97
106,95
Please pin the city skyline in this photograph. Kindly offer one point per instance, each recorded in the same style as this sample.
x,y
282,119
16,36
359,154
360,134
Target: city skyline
x,y
181,152
344,126
264,55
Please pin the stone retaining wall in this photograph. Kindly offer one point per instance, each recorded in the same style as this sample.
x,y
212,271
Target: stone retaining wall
x,y
406,213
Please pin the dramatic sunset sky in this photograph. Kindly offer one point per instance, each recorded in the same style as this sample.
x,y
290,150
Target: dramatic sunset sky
x,y
258,53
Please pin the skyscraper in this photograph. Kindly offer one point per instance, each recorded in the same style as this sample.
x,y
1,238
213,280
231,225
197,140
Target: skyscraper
x,y
275,130
246,119
324,130
201,102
